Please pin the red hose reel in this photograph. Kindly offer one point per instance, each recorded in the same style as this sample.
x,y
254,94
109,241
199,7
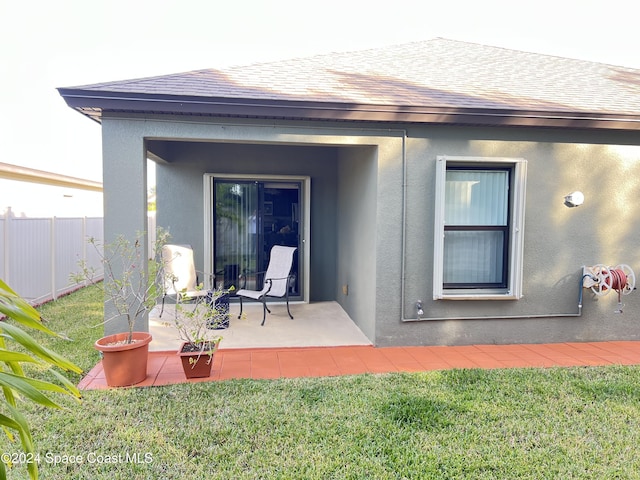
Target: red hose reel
x,y
604,279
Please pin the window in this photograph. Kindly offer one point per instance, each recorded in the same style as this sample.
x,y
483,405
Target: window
x,y
479,228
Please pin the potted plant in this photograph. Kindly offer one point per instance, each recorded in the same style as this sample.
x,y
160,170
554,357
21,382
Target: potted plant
x,y
197,321
130,293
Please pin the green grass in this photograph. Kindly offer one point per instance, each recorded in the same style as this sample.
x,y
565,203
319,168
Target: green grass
x,y
79,317
503,424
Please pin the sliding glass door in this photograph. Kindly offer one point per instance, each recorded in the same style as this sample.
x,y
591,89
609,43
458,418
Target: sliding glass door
x,y
250,217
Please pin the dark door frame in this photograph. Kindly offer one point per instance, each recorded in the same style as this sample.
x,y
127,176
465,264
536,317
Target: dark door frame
x,y
305,220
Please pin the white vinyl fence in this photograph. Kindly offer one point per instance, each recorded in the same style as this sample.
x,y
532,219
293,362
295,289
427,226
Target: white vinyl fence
x,y
37,255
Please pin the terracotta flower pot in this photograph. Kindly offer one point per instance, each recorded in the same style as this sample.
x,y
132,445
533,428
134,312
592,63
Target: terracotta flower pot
x,y
196,364
124,364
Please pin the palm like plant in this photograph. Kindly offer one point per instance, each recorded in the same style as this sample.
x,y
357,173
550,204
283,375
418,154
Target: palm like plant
x,y
13,380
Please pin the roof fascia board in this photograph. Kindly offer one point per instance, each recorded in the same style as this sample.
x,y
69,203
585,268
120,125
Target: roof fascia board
x,y
24,174
92,103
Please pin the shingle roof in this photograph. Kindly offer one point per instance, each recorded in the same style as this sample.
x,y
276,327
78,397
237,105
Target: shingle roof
x,y
437,73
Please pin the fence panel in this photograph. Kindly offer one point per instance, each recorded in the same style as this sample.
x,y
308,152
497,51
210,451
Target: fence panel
x,y
37,255
68,233
93,229
30,263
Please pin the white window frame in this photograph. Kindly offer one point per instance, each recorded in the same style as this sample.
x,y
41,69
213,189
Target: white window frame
x,y
513,291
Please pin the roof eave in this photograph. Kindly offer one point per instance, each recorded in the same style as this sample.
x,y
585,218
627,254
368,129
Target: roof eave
x,y
93,103
24,174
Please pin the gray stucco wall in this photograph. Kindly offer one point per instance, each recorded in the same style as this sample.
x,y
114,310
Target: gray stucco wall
x,y
357,233
373,216
180,205
125,197
558,240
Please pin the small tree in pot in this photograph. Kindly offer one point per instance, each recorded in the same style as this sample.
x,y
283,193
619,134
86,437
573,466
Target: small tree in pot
x,y
130,293
197,321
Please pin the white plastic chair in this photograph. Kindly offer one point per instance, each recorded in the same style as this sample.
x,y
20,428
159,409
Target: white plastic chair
x,y
276,280
180,277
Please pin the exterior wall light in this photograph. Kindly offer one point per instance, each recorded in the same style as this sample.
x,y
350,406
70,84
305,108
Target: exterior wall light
x,y
574,199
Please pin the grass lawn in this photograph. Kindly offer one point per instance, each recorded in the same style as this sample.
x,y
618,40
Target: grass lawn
x,y
558,423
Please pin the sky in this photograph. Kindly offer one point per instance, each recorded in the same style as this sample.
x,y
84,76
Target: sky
x,y
61,43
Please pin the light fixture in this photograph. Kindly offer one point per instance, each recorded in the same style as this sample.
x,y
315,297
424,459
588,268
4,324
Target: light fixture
x,y
574,199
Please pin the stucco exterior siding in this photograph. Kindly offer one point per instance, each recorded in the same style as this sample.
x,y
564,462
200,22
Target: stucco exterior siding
x,y
342,251
372,217
357,236
558,240
180,184
125,195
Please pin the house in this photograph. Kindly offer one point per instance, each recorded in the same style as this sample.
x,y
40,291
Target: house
x,y
423,184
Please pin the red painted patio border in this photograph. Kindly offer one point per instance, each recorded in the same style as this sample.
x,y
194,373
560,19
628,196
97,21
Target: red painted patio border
x,y
164,368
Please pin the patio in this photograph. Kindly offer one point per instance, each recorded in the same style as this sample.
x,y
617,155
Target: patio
x,y
321,324
323,341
